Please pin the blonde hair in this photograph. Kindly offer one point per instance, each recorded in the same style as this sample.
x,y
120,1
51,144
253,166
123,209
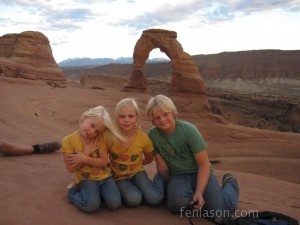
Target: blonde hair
x,y
110,133
163,103
127,102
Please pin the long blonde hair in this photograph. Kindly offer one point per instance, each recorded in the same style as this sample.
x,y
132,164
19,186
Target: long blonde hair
x,y
127,102
110,133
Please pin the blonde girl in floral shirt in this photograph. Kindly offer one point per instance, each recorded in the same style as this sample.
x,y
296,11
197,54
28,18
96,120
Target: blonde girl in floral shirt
x,y
127,158
86,155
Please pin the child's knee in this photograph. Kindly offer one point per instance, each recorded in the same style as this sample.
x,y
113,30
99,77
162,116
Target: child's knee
x,y
133,200
178,204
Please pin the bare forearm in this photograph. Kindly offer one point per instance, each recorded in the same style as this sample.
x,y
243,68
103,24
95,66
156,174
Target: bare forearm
x,y
148,158
162,166
164,172
74,168
147,161
202,178
71,164
96,162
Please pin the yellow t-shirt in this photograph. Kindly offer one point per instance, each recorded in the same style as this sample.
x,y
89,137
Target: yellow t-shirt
x,y
72,143
125,164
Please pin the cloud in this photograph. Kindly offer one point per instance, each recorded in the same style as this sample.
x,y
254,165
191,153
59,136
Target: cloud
x,y
67,19
207,12
111,27
254,6
75,15
165,13
52,16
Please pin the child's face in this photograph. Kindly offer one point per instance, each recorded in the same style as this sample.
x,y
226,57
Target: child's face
x,y
163,120
127,119
91,127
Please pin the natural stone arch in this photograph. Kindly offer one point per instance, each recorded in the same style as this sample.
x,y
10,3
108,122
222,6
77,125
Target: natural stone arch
x,y
185,74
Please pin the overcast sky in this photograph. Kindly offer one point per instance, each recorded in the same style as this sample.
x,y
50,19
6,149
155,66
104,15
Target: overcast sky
x,y
111,28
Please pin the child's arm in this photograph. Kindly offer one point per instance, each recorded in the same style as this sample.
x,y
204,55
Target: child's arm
x,y
91,147
162,166
100,162
71,164
148,158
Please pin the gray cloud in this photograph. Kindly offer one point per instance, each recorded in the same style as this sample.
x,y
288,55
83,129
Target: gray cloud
x,y
166,13
201,11
7,23
55,18
74,15
216,14
258,6
206,11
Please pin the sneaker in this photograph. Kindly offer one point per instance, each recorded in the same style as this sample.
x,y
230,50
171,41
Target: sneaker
x,y
228,177
49,147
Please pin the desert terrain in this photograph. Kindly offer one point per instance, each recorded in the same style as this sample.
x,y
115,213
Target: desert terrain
x,y
265,162
258,88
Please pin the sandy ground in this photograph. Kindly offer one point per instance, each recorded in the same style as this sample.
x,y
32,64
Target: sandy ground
x,y
266,163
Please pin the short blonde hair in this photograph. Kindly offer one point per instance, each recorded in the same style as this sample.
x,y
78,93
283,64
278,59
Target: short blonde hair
x,y
127,102
163,103
110,133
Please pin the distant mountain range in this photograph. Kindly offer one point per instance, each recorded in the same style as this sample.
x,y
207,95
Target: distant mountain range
x,y
103,61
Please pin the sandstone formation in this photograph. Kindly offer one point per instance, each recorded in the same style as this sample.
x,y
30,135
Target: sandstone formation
x,y
273,72
258,88
263,161
263,71
185,75
28,55
255,64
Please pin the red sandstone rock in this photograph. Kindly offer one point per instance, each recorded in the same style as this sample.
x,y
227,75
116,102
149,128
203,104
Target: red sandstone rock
x,y
266,163
185,75
28,55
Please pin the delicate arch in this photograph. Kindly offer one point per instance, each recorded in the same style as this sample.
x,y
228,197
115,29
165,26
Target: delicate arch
x,y
185,74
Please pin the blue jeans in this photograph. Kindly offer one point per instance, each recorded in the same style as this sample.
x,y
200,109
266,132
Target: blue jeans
x,y
87,195
220,203
139,188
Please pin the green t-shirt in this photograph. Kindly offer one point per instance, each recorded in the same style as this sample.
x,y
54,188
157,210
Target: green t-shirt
x,y
178,148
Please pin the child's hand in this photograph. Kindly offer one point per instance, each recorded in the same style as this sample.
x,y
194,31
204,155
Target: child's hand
x,y
76,158
198,202
91,147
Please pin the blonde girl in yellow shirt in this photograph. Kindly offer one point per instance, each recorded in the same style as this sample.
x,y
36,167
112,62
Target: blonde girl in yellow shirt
x,y
128,157
85,154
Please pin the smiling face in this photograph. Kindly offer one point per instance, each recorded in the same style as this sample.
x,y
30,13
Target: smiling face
x,y
127,119
91,127
163,120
